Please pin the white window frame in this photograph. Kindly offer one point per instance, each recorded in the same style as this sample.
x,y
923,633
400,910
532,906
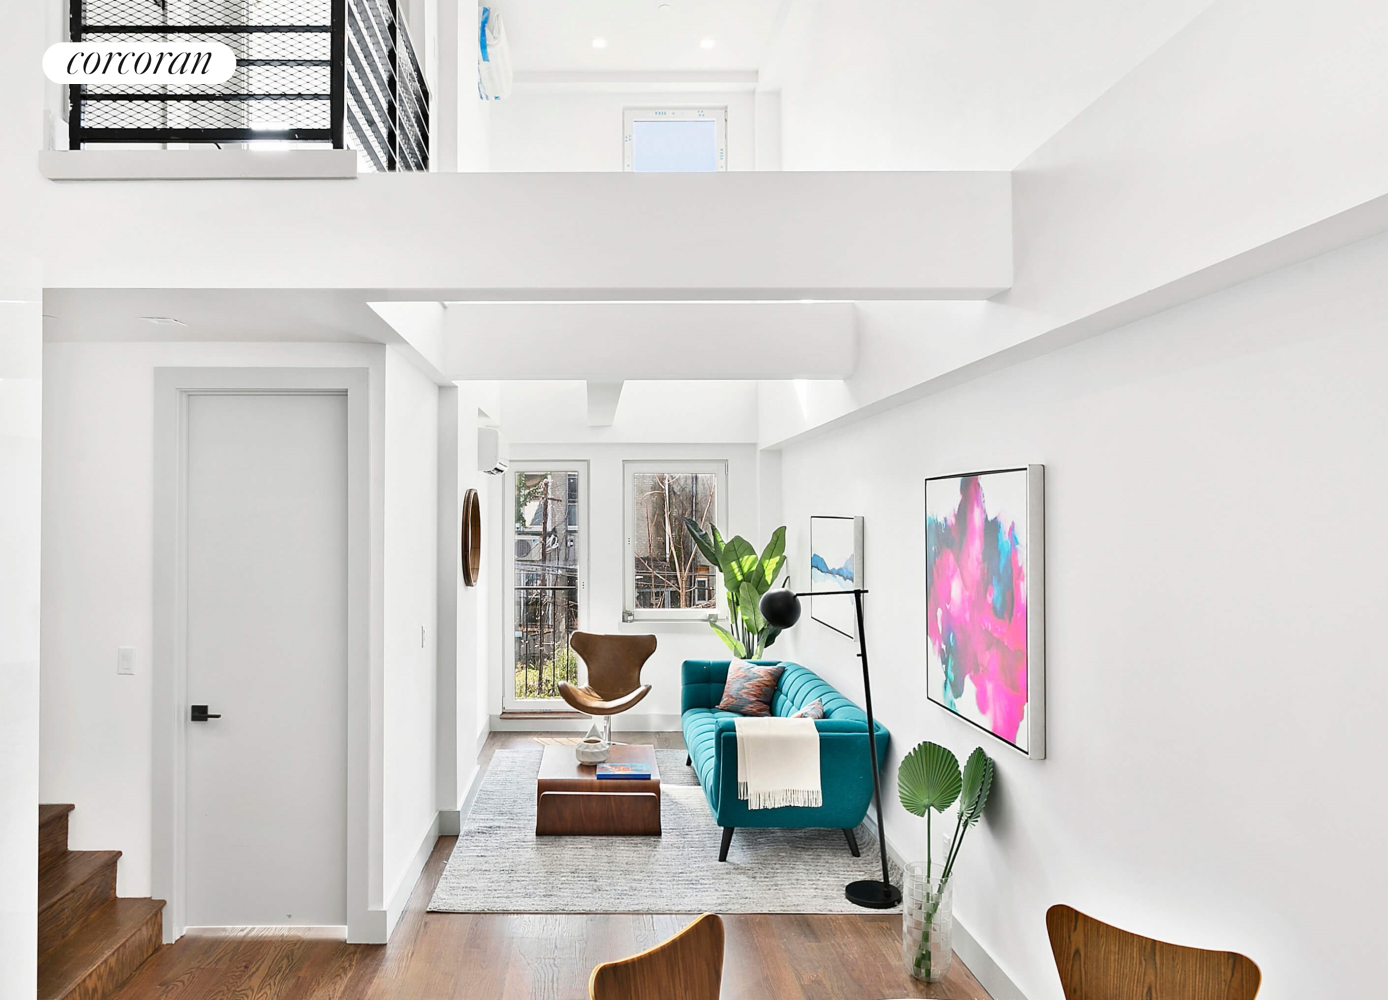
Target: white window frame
x,y
509,701
630,469
630,116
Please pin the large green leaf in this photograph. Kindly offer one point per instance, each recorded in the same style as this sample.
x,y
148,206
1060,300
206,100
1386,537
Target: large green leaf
x,y
738,561
737,648
977,783
769,636
928,779
773,557
748,601
702,540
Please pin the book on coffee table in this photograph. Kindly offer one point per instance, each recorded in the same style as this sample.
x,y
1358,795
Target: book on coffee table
x,y
628,772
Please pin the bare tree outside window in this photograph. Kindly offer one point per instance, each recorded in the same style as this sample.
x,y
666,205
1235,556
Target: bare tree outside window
x,y
670,570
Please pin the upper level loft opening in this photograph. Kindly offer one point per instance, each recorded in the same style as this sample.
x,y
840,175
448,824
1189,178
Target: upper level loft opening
x,y
615,85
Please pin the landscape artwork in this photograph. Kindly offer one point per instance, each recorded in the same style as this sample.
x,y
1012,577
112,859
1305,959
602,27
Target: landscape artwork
x,y
836,563
983,601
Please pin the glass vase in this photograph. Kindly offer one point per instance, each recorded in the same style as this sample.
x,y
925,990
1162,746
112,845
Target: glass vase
x,y
927,922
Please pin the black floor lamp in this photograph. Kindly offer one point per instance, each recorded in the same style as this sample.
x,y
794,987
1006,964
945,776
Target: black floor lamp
x,y
781,608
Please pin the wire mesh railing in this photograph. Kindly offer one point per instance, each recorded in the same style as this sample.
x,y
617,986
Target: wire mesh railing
x,y
330,72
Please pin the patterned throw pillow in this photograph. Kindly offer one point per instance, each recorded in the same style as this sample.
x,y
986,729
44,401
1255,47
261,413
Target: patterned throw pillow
x,y
749,688
814,710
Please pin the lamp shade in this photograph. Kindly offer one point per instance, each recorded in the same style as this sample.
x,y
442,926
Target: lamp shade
x,y
781,608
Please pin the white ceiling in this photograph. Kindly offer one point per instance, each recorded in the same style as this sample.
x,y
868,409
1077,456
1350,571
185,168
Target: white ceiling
x,y
557,35
213,314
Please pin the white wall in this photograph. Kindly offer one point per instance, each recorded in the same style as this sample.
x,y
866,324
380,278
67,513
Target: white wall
x,y
21,387
1213,478
411,616
932,86
98,496
544,128
1253,139
462,712
600,608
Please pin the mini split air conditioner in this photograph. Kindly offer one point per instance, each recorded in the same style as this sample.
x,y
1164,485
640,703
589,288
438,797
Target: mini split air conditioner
x,y
491,451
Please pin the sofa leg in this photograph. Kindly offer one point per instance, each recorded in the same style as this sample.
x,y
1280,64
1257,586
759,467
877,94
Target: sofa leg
x,y
852,839
688,761
727,842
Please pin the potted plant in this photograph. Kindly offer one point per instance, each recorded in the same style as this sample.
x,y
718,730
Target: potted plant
x,y
930,780
746,576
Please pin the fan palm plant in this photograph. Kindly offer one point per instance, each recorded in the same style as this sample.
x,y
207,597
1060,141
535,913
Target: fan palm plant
x,y
929,780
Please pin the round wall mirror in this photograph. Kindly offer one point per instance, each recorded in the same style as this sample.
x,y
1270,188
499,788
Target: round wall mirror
x,y
472,538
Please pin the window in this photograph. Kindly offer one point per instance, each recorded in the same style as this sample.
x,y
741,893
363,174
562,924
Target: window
x,y
546,582
671,140
667,577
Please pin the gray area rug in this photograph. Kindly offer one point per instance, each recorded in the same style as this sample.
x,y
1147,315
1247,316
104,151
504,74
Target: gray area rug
x,y
500,866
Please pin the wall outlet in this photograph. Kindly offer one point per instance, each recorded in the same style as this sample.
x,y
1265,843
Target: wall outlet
x,y
125,659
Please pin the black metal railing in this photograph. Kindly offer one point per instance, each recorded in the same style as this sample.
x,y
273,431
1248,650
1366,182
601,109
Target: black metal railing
x,y
545,617
330,72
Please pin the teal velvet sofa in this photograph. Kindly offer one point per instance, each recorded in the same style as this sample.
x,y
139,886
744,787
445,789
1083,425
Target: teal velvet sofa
x,y
711,738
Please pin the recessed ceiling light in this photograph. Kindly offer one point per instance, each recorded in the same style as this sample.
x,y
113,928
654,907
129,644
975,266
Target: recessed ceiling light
x,y
163,321
665,8
707,43
599,43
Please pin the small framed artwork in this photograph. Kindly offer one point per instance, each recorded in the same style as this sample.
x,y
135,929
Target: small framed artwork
x,y
836,563
985,601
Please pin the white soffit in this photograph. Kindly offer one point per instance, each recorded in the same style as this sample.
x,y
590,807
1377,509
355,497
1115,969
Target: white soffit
x,y
613,341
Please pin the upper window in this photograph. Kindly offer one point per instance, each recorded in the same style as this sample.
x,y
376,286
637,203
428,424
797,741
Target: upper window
x,y
666,575
674,140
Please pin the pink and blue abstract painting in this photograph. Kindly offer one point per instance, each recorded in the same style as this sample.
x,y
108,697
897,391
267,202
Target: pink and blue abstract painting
x,y
977,597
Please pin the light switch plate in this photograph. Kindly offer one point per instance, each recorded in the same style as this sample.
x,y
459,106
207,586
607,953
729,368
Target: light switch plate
x,y
125,659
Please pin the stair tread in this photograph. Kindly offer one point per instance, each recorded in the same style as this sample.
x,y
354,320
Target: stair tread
x,y
48,813
105,929
67,871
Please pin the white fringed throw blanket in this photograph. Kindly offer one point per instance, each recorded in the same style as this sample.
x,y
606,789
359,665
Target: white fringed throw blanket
x,y
778,762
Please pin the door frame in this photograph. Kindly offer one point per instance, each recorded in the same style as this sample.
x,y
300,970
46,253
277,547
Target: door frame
x,y
168,665
509,702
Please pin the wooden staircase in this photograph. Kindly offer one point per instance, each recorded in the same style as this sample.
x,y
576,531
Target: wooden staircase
x,y
90,941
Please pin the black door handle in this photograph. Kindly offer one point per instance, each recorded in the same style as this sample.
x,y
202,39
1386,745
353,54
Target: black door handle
x,y
200,714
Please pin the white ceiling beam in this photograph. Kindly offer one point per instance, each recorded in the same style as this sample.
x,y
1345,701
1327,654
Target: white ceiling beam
x,y
603,398
612,341
764,235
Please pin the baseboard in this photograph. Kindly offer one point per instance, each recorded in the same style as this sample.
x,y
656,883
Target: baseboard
x,y
627,722
372,929
984,967
998,983
318,932
451,820
396,907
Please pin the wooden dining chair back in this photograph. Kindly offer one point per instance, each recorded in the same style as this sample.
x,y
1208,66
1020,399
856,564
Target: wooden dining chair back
x,y
1099,962
689,966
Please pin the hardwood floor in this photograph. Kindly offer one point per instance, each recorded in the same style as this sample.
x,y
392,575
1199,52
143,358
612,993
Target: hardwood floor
x,y
452,956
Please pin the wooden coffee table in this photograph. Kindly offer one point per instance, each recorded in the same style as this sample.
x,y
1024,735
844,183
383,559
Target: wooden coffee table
x,y
571,801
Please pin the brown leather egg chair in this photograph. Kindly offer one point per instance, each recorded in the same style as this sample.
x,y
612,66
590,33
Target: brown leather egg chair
x,y
614,674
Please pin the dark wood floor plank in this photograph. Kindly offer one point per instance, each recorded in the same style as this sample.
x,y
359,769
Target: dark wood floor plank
x,y
494,956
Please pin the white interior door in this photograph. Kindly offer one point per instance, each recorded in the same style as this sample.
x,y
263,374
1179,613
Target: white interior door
x,y
266,502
